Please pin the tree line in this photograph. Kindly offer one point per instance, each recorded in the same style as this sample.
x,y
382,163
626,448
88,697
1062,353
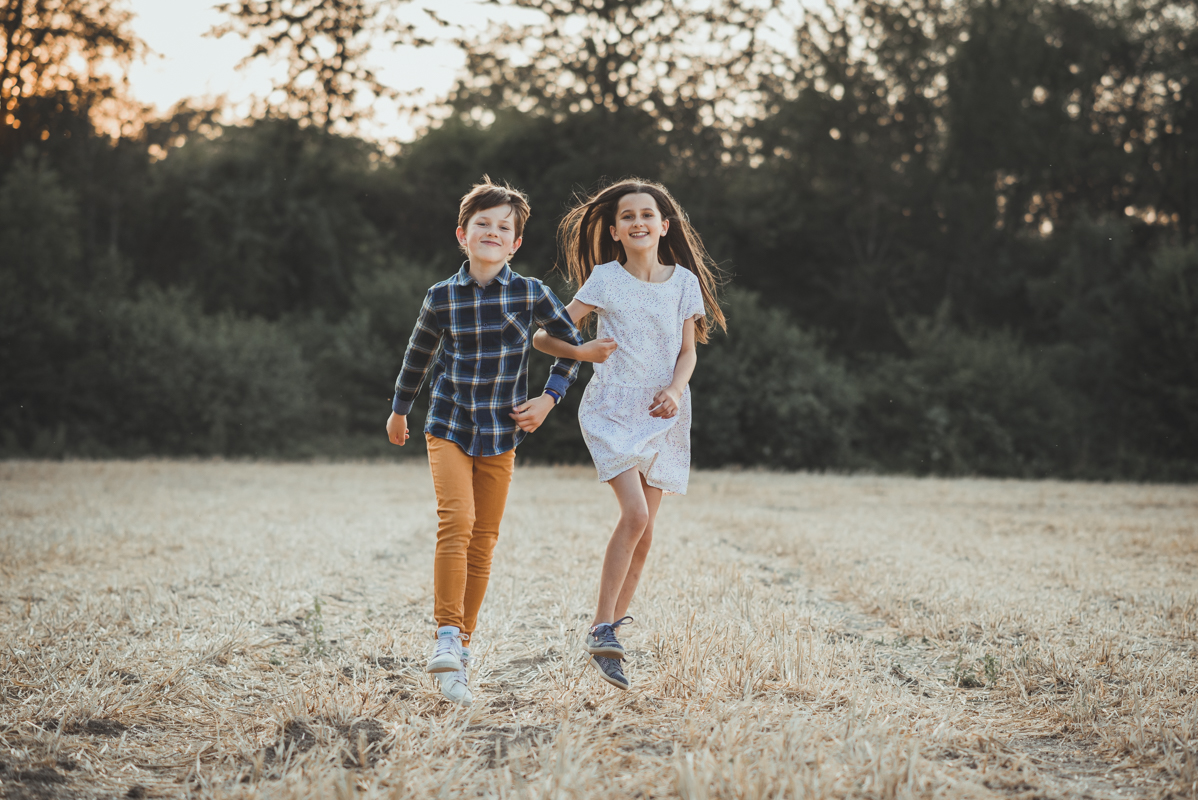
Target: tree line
x,y
959,237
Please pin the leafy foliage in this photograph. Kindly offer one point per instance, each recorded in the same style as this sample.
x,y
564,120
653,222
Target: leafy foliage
x,y
691,66
326,46
961,235
56,54
767,393
963,404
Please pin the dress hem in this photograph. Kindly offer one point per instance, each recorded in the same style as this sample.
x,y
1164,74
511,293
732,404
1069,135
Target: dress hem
x,y
656,484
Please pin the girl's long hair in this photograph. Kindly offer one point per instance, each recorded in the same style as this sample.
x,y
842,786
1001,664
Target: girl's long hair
x,y
583,238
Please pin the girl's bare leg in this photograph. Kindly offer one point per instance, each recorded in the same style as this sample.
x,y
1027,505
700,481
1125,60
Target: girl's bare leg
x,y
634,519
637,565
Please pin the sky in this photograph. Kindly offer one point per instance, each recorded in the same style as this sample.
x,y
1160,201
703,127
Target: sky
x,y
184,63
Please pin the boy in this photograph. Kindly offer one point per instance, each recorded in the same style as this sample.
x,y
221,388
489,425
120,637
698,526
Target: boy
x,y
475,331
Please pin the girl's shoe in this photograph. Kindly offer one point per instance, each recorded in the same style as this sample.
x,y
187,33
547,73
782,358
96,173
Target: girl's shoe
x,y
601,639
610,671
455,685
447,653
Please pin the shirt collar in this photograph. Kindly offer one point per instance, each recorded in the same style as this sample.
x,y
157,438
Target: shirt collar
x,y
464,278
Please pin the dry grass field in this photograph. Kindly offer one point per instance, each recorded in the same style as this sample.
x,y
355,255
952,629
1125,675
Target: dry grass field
x,y
220,630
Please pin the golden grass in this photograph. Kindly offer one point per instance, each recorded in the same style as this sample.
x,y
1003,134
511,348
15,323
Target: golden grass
x,y
245,630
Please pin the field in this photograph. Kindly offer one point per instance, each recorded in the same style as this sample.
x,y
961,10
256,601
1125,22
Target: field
x,y
215,630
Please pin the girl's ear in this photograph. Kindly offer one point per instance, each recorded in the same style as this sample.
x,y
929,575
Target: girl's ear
x,y
615,238
665,226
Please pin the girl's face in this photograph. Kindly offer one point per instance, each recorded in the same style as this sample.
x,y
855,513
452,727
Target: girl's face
x,y
490,235
639,225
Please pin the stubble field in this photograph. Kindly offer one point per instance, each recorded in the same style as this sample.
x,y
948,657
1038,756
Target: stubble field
x,y
209,629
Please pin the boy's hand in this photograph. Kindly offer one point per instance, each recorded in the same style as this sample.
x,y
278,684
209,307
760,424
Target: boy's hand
x,y
397,429
531,414
597,350
666,403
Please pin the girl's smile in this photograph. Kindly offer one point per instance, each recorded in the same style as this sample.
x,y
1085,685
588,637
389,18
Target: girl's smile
x,y
639,228
639,224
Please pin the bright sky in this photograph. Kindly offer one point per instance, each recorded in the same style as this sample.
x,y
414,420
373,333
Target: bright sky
x,y
185,63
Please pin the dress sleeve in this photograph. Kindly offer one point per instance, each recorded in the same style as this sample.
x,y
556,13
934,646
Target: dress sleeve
x,y
592,292
692,297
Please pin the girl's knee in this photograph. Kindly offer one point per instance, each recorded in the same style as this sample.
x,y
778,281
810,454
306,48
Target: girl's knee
x,y
635,519
646,538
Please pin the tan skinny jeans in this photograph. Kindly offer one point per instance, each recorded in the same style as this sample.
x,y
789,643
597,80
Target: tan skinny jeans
x,y
471,495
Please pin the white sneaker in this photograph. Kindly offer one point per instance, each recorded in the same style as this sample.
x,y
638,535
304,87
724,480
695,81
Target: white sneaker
x,y
447,653
454,684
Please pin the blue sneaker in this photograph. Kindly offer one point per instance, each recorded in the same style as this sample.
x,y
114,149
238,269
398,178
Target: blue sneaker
x,y
610,671
601,639
447,653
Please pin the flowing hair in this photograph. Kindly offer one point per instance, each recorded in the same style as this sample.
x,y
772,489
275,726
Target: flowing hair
x,y
583,238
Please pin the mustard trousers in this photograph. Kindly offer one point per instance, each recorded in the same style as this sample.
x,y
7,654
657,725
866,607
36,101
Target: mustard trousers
x,y
471,495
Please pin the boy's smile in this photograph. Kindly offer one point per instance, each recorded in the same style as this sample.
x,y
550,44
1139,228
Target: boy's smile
x,y
489,239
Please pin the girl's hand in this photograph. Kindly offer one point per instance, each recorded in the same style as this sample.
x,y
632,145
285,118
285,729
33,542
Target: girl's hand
x,y
530,415
666,403
397,429
597,350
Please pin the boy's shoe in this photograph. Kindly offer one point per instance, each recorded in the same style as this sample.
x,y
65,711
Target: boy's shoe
x,y
601,639
454,685
610,671
447,653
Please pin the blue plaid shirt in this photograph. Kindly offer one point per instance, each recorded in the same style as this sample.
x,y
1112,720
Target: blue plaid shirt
x,y
477,340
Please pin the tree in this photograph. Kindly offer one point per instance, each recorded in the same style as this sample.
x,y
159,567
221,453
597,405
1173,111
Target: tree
x,y
325,45
56,53
694,66
264,220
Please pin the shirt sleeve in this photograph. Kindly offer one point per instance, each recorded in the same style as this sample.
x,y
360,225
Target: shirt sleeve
x,y
692,297
422,349
592,292
550,314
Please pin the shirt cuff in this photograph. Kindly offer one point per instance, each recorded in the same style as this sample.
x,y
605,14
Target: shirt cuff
x,y
558,383
401,407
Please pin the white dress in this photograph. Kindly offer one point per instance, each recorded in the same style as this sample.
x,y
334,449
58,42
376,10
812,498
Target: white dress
x,y
646,321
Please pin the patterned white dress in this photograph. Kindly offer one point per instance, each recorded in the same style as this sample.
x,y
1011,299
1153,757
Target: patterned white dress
x,y
646,321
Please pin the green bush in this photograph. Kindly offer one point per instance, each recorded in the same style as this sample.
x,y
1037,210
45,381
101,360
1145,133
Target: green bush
x,y
355,360
767,393
167,379
1155,337
964,405
43,298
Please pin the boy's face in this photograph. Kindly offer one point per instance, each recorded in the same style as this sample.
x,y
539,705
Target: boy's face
x,y
489,237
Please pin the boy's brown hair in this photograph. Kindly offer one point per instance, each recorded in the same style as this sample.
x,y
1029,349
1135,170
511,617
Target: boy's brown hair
x,y
489,194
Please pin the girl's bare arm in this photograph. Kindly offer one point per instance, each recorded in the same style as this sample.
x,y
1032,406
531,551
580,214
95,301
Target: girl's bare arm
x,y
667,401
596,350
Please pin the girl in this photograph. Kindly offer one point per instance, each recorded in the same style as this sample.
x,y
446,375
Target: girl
x,y
644,272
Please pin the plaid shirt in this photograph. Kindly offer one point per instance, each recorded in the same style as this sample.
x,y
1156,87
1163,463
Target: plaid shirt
x,y
477,340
